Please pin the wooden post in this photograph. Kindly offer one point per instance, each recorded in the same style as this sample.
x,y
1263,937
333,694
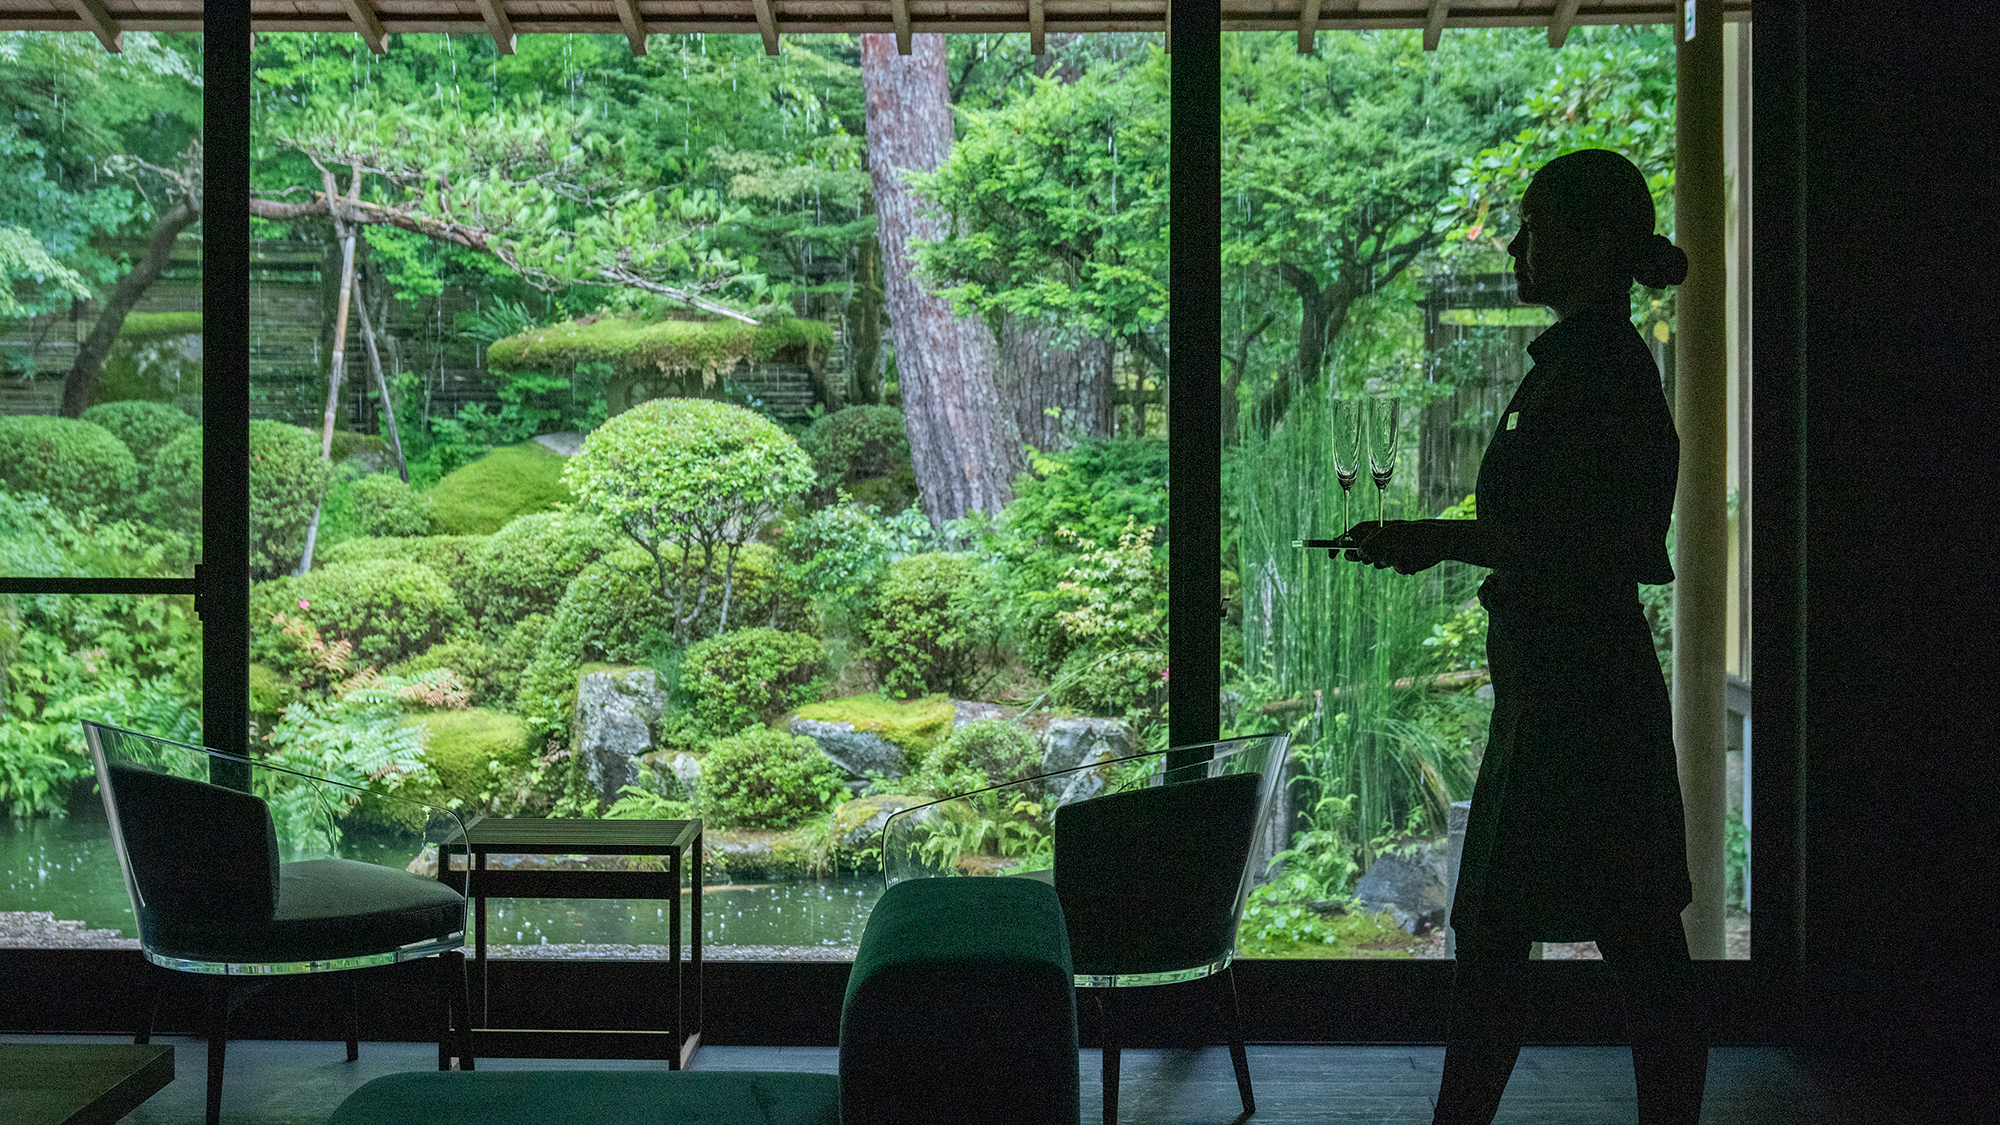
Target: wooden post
x,y
347,232
1701,414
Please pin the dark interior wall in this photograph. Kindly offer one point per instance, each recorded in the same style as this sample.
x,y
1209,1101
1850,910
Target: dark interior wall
x,y
1898,155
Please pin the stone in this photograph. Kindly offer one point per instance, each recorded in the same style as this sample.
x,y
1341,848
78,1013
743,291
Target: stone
x,y
1459,817
1068,743
675,768
967,711
862,753
564,444
858,824
1408,883
617,712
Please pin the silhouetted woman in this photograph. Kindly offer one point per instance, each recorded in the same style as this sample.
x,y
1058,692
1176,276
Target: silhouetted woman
x,y
1576,831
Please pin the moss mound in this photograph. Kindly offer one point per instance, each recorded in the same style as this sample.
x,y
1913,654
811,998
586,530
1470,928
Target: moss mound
x,y
710,348
913,724
462,746
156,326
480,498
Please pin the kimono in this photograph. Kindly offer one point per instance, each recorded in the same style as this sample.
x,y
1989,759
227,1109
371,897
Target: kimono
x,y
1576,826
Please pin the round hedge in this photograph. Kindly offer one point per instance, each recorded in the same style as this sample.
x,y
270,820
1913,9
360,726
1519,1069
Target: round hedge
x,y
384,505
76,464
929,625
980,753
144,427
857,443
764,778
751,676
387,609
469,658
525,566
173,483
287,477
452,556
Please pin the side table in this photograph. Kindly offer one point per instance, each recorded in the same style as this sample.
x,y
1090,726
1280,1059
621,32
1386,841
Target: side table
x,y
79,1084
679,841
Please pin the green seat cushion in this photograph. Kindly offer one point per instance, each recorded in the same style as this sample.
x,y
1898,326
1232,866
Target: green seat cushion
x,y
327,909
961,1008
594,1097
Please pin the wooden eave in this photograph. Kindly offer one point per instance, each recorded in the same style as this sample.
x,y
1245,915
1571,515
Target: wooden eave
x,y
106,18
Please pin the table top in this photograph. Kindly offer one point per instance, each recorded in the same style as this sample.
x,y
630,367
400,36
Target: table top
x,y
537,836
79,1083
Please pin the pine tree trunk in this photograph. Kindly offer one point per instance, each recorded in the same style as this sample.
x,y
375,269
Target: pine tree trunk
x,y
1061,389
81,383
864,327
964,446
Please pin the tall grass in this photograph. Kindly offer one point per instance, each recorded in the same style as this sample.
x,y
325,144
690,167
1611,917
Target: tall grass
x,y
1326,643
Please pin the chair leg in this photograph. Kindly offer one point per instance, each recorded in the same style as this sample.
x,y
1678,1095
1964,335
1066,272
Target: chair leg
x,y
1107,1012
455,1008
145,1035
1232,1019
353,1016
218,1044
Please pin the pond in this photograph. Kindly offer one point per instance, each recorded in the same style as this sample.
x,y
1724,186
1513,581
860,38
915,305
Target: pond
x,y
68,868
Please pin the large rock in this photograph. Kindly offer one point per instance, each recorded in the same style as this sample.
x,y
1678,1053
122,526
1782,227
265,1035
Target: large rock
x,y
965,711
857,824
862,753
1068,743
1409,883
677,768
617,712
564,444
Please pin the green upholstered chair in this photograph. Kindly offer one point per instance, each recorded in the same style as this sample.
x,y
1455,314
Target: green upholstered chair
x,y
221,887
1152,857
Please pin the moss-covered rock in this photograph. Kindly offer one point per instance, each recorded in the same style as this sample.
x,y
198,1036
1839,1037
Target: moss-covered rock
x,y
914,725
481,758
481,497
706,350
857,824
741,856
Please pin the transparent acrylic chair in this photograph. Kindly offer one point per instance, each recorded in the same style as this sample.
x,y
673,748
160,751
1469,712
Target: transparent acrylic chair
x,y
234,871
1152,857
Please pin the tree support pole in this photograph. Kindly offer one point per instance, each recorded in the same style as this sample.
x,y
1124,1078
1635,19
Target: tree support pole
x,y
1701,520
1194,374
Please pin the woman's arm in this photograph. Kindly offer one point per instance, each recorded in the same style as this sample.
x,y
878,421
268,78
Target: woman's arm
x,y
1415,545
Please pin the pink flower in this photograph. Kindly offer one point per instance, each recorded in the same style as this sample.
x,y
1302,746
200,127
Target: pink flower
x,y
1163,674
304,604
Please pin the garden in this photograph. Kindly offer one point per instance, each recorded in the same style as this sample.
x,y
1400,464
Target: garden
x,y
634,581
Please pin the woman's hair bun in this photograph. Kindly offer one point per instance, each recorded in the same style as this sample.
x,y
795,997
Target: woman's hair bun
x,y
1658,263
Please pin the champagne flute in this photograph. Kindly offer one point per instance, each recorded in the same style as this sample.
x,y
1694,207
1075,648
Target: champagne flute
x,y
1382,417
1346,455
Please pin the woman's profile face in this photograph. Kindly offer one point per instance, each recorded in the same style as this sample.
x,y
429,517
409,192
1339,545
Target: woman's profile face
x,y
1555,263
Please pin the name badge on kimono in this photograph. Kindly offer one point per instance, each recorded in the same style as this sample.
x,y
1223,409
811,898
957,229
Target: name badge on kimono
x,y
1513,419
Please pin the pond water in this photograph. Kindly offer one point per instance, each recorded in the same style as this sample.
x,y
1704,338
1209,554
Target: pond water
x,y
67,867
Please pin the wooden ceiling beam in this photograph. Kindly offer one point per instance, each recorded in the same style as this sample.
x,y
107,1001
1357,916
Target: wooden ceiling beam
x,y
767,24
1308,25
1434,23
633,23
367,25
1038,36
1561,20
899,16
100,23
494,12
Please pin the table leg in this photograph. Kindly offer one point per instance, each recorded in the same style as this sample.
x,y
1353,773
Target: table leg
x,y
479,948
674,940
696,922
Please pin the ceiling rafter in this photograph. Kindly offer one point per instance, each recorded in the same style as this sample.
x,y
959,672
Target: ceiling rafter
x,y
367,25
1434,23
1561,20
108,30
899,15
1038,36
633,23
1308,25
767,24
494,12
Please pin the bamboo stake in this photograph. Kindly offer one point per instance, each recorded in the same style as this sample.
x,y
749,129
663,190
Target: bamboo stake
x,y
381,383
347,231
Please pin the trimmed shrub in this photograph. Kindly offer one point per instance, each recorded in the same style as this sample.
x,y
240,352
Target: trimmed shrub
x,y
525,566
172,479
976,755
451,556
286,480
1113,684
751,676
384,505
472,661
932,625
857,443
464,748
388,610
481,497
76,464
144,427
515,651
763,778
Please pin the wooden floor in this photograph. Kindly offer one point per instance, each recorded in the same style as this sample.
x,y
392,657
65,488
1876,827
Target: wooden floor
x,y
289,1083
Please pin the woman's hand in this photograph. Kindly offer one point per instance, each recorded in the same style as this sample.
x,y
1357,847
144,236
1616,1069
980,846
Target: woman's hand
x,y
1407,545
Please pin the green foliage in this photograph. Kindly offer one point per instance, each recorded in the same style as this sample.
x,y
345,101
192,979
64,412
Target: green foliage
x,y
466,657
454,558
357,737
524,567
386,610
483,761
78,465
384,505
144,427
691,482
1112,621
172,479
22,258
856,443
976,755
914,725
287,477
706,349
1287,918
750,676
932,627
841,552
480,498
763,778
